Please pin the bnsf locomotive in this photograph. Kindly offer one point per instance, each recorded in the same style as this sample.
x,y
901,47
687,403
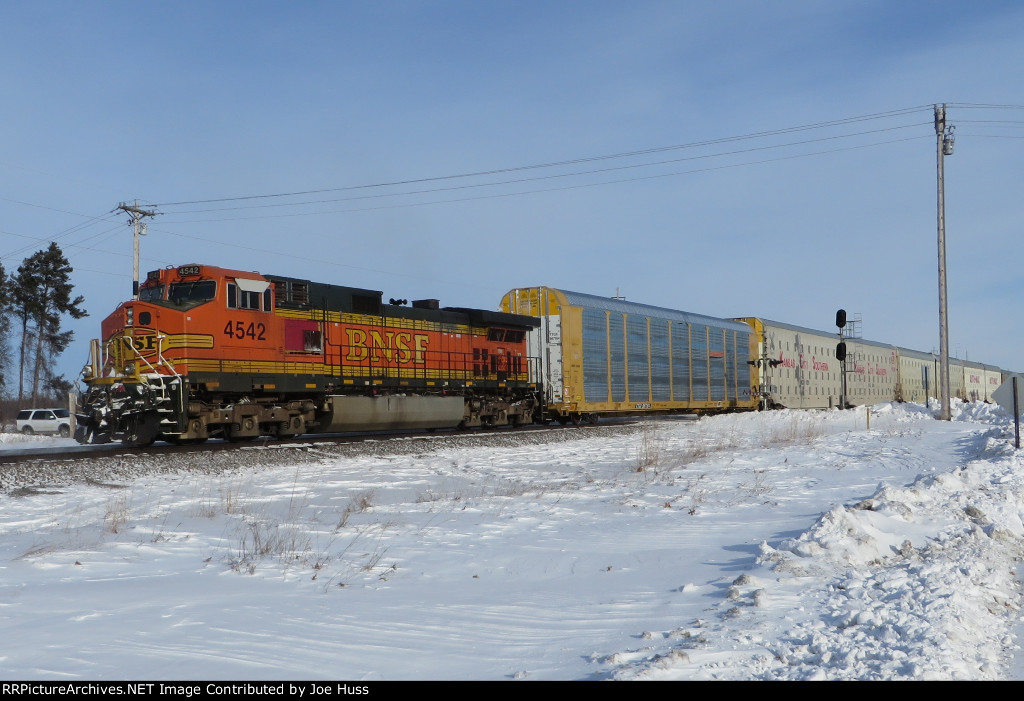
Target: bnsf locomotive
x,y
210,352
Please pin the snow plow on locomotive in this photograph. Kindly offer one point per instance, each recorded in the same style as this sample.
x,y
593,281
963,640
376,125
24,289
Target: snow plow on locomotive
x,y
206,352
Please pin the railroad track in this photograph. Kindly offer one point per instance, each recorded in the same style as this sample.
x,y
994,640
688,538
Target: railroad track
x,y
27,473
18,456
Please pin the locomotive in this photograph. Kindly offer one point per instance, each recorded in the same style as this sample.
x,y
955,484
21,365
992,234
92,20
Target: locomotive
x,y
204,352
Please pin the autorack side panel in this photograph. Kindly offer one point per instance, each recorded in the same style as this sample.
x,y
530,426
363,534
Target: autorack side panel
x,y
804,372
993,378
957,387
918,376
681,366
871,370
974,381
980,381
623,357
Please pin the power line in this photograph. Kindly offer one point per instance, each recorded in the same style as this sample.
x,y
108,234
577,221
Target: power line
x,y
574,161
551,189
981,105
90,221
567,175
847,121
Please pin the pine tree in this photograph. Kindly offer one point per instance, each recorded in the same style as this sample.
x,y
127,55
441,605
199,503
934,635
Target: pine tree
x,y
41,297
23,298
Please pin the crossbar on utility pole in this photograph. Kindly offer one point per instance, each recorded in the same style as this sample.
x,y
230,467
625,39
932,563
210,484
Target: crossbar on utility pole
x,y
942,138
138,229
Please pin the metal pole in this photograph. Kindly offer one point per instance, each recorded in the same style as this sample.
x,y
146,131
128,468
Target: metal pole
x,y
841,323
763,369
940,128
842,375
1016,416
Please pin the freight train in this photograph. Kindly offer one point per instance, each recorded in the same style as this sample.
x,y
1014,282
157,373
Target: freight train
x,y
208,352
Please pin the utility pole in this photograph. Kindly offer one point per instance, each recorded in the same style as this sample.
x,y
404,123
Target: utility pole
x,y
138,229
944,147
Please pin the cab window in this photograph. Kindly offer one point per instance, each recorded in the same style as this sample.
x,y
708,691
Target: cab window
x,y
249,294
151,293
242,299
191,294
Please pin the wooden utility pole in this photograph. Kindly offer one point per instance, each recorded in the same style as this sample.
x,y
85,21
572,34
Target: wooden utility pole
x,y
944,139
138,229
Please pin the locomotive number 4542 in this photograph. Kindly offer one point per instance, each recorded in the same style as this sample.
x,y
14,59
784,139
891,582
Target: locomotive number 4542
x,y
242,331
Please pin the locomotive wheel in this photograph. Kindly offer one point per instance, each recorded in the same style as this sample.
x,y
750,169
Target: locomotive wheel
x,y
235,438
244,431
290,428
178,440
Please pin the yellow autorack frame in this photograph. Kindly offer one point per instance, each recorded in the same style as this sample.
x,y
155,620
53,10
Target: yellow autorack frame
x,y
609,356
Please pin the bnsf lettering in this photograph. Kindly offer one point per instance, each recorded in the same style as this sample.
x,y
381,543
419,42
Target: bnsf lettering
x,y
143,344
401,347
241,331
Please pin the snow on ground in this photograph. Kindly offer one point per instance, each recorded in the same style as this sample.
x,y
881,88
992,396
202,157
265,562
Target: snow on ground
x,y
780,545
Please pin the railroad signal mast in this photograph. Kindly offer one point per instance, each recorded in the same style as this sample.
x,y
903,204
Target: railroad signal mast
x,y
138,229
762,363
841,356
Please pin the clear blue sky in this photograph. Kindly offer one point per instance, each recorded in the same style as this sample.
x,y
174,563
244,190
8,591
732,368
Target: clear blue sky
x,y
164,103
